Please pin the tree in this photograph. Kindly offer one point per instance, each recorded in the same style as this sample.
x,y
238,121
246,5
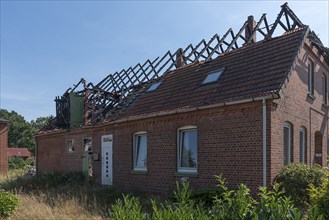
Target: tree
x,y
40,122
21,133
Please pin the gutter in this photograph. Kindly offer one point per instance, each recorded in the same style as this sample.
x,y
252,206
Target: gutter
x,y
177,111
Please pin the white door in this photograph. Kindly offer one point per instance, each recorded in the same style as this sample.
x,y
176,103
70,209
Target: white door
x,y
107,168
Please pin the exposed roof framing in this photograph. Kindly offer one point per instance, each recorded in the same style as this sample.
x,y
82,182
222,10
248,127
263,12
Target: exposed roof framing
x,y
116,91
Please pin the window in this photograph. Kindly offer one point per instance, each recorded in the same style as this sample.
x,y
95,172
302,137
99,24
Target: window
x,y
213,76
310,77
140,151
287,139
302,144
324,89
70,146
187,149
87,145
153,87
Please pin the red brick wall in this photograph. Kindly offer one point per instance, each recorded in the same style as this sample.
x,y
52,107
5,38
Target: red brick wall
x,y
3,148
300,110
229,142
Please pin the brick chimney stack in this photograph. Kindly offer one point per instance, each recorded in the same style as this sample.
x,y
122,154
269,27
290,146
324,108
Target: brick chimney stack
x,y
251,24
179,58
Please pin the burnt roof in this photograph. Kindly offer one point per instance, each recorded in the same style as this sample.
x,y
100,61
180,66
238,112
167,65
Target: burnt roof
x,y
255,70
251,69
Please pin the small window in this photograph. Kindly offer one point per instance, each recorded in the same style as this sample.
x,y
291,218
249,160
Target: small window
x,y
87,145
70,146
324,89
310,77
287,139
187,149
302,145
153,87
213,76
140,151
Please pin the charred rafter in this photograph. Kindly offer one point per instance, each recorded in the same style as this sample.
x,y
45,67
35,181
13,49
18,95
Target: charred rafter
x,y
116,91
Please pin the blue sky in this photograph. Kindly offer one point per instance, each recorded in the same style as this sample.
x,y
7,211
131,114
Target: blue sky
x,y
47,46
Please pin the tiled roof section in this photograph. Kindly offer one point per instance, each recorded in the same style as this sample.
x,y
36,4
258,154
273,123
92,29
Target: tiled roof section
x,y
255,70
18,152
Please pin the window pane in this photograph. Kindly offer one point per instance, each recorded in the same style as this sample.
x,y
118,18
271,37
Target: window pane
x,y
302,145
287,141
212,77
141,144
188,149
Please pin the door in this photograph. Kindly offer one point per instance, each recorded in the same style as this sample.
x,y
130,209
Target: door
x,y
107,168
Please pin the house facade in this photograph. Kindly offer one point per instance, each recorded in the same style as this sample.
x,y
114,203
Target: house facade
x,y
4,127
243,112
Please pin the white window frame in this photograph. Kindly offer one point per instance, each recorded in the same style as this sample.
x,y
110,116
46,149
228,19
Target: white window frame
x,y
135,167
219,74
302,144
69,150
179,146
289,156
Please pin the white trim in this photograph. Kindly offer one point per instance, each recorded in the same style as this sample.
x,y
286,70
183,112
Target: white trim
x,y
264,143
138,168
289,126
185,169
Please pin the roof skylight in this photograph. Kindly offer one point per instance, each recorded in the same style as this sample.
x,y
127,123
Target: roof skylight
x,y
213,76
154,86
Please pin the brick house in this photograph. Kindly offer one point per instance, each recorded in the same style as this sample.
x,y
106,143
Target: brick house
x,y
243,110
4,127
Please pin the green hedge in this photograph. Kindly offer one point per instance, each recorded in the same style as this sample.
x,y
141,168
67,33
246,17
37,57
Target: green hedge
x,y
8,204
295,179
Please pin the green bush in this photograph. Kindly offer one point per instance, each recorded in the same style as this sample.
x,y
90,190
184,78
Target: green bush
x,y
232,204
295,179
320,197
274,205
128,208
206,196
16,163
8,204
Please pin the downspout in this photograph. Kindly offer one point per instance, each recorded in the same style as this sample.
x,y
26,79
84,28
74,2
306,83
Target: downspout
x,y
264,142
36,155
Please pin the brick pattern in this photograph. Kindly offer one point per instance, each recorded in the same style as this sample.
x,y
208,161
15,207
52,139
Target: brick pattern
x,y
229,138
3,148
239,161
300,110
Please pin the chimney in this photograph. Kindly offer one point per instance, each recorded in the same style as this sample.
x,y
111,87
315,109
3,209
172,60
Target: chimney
x,y
251,24
179,58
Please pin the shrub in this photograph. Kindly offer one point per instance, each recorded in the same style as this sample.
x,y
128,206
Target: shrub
x,y
320,197
206,196
16,163
233,204
274,205
128,208
295,179
8,204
